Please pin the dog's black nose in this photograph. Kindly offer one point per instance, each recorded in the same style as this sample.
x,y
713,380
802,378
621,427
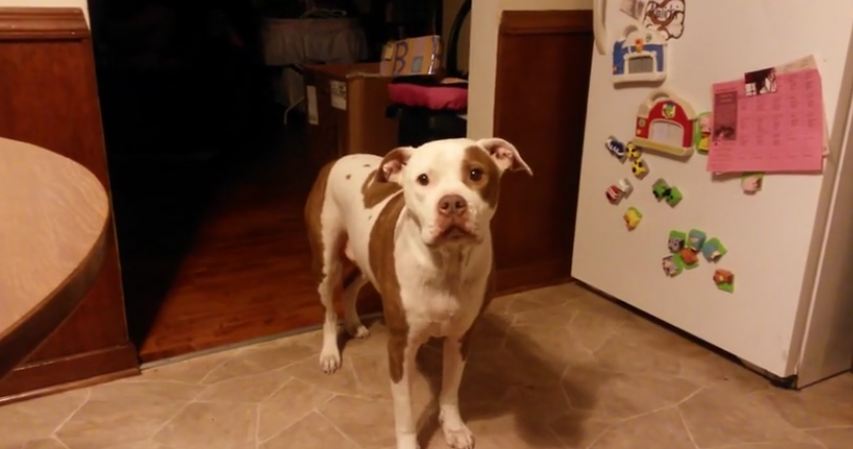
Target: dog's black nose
x,y
452,205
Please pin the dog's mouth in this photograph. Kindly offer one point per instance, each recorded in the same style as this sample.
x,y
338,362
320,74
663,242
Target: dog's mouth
x,y
454,233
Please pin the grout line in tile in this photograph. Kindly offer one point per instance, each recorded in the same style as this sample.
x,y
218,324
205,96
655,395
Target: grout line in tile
x,y
71,415
177,413
338,429
686,427
257,425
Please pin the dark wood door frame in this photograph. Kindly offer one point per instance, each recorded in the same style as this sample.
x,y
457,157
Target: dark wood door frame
x,y
541,88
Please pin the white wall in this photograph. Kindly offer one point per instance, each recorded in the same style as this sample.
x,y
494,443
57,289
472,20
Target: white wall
x,y
482,62
82,4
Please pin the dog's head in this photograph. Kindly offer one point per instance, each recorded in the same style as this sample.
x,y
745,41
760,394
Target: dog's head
x,y
451,186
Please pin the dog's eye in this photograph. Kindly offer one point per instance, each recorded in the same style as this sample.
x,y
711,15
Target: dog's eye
x,y
476,174
423,179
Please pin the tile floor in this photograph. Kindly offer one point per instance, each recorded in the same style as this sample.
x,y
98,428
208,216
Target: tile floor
x,y
550,368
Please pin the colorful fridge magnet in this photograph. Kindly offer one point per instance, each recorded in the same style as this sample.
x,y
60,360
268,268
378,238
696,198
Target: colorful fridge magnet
x,y
666,17
614,194
674,196
676,241
713,250
751,183
634,152
702,132
689,257
672,265
616,148
639,57
639,168
626,186
725,280
660,189
695,240
633,8
632,218
665,125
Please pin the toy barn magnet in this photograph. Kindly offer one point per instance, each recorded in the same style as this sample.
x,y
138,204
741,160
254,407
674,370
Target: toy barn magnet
x,y
616,148
713,250
702,133
665,125
695,240
640,56
725,280
676,241
632,218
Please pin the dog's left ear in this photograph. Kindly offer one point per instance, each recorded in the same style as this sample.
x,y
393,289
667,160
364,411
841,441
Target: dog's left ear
x,y
392,165
505,155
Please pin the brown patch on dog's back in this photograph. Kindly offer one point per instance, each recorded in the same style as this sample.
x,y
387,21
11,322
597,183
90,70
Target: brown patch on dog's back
x,y
313,211
381,254
374,192
489,185
348,176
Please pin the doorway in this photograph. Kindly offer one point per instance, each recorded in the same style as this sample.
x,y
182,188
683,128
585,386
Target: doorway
x,y
208,181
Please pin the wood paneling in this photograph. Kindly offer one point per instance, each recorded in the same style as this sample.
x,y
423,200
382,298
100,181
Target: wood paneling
x,y
541,91
49,98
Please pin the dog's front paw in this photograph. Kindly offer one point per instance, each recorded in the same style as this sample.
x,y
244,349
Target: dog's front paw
x,y
330,360
458,438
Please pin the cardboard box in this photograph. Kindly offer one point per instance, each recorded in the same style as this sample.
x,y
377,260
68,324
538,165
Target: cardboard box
x,y
346,105
412,57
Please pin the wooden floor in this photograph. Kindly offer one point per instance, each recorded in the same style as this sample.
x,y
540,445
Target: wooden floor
x,y
215,252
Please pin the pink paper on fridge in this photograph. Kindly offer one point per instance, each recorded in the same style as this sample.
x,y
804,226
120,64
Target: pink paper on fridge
x,y
781,131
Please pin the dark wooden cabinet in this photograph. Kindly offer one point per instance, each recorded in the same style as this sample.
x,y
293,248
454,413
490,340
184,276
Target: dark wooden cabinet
x,y
543,68
49,97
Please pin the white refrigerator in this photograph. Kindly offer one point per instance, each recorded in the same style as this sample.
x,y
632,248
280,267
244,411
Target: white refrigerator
x,y
789,246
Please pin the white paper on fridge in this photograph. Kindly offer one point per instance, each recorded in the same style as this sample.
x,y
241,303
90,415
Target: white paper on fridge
x,y
782,131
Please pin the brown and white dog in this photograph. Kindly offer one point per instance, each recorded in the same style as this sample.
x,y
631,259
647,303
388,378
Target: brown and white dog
x,y
416,225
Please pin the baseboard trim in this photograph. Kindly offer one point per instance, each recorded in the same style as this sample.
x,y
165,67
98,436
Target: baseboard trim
x,y
529,276
53,376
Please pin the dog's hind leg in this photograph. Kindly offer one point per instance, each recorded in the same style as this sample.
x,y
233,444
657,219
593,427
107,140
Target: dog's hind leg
x,y
352,323
331,290
326,234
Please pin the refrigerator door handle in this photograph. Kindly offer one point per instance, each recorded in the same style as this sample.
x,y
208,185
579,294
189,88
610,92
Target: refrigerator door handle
x,y
598,28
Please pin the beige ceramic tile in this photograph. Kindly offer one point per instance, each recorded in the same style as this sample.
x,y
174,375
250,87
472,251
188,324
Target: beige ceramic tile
x,y
46,443
313,431
38,418
252,388
719,417
212,425
558,316
191,370
368,422
841,438
578,430
125,411
288,405
343,381
829,403
617,395
265,357
664,427
101,424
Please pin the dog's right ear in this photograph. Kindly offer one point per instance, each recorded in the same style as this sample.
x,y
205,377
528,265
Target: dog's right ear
x,y
392,165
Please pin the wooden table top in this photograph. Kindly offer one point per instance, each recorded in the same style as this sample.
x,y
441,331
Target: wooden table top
x,y
53,216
